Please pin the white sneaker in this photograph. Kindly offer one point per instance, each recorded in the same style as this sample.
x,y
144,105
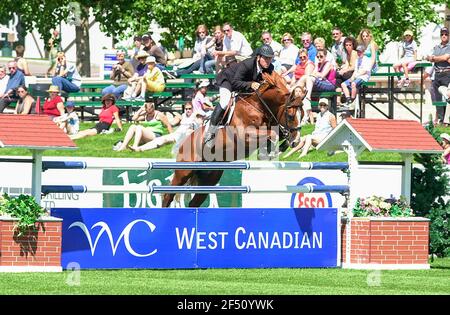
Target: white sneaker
x,y
140,98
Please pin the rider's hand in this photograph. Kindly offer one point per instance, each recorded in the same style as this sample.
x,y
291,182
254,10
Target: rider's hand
x,y
255,85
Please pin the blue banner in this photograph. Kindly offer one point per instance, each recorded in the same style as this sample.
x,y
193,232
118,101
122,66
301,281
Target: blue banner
x,y
199,238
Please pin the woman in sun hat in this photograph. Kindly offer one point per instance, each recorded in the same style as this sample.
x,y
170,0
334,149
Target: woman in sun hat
x,y
54,105
108,114
446,146
201,102
408,59
135,82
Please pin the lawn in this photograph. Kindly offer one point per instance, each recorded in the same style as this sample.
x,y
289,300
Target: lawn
x,y
101,146
234,282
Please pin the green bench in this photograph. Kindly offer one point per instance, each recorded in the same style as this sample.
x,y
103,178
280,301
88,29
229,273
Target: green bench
x,y
198,76
439,104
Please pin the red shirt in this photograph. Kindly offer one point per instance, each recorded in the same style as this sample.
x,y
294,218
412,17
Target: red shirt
x,y
300,69
50,106
107,114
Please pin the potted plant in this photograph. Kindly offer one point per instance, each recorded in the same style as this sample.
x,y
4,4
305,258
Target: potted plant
x,y
30,240
384,233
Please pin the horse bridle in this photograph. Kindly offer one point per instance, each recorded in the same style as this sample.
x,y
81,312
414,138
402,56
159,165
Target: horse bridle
x,y
285,130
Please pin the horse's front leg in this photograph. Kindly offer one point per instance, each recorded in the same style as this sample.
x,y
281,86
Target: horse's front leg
x,y
180,178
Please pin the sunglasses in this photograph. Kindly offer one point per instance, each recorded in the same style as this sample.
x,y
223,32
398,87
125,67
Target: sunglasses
x,y
266,38
306,40
201,32
286,40
19,91
334,34
303,57
320,57
444,34
11,68
226,31
188,108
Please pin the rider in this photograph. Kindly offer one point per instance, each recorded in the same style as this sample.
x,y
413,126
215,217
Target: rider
x,y
244,76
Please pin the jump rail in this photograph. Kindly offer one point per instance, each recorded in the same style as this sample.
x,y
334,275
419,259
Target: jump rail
x,y
156,189
46,165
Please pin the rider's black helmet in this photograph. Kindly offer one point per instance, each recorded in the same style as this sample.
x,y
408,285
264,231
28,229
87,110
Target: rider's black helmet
x,y
265,51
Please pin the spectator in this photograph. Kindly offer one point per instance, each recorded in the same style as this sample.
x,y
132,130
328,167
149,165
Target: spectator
x,y
322,79
134,60
288,53
338,49
54,105
54,45
307,44
235,46
16,78
153,80
153,124
201,103
365,38
25,103
4,78
445,157
441,67
360,75
319,43
108,114
200,53
301,70
345,71
22,63
153,50
66,75
408,58
135,82
69,122
120,73
325,123
190,121
266,38
215,45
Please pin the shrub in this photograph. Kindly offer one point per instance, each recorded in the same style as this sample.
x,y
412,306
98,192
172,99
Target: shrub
x,y
376,206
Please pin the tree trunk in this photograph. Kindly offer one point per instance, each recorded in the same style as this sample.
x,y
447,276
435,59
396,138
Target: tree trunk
x,y
82,44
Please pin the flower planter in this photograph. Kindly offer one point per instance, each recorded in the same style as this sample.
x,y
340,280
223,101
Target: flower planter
x,y
33,251
385,243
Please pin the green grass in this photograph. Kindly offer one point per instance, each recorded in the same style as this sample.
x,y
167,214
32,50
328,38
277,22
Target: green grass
x,y
101,146
234,281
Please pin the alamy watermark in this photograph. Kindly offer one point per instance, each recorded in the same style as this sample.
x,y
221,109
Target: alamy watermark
x,y
374,17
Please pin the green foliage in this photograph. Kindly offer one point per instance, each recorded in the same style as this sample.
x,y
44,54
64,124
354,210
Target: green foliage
x,y
429,187
24,208
376,206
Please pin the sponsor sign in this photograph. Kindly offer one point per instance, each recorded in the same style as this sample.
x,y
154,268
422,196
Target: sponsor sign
x,y
199,238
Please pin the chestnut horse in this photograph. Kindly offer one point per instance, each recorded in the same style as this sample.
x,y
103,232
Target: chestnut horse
x,y
251,125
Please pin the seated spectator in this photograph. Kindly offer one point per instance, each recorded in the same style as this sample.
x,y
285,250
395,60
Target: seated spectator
x,y
135,82
360,75
345,71
201,103
134,60
338,48
189,122
108,114
22,63
214,46
409,57
154,50
323,79
200,53
69,122
235,46
319,43
365,38
120,73
445,157
304,67
26,103
66,76
4,78
16,78
266,38
288,53
153,124
307,44
54,45
153,80
54,104
325,123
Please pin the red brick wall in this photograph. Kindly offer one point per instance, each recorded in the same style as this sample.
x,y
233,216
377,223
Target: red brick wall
x,y
42,248
374,241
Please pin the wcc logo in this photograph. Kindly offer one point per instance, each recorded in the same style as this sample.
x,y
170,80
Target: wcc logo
x,y
124,235
311,200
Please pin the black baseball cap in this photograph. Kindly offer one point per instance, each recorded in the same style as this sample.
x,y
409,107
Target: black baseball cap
x,y
444,30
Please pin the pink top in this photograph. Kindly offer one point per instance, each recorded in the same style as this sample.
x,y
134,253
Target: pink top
x,y
447,157
197,102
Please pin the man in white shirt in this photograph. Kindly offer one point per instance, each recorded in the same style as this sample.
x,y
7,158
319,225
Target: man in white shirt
x,y
3,79
267,39
235,46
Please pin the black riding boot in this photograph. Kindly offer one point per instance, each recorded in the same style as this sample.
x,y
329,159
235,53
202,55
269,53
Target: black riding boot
x,y
216,117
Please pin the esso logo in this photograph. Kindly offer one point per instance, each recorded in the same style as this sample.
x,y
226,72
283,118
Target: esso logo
x,y
311,200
